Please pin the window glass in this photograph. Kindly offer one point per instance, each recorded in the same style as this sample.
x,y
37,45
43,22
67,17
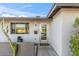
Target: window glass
x,y
20,28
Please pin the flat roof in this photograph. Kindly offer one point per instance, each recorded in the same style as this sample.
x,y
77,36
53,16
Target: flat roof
x,y
58,6
19,18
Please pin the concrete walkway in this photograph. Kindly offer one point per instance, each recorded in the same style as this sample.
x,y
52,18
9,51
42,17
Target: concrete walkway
x,y
43,51
46,51
26,49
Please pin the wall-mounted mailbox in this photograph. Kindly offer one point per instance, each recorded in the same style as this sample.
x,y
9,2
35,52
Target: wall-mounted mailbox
x,y
35,32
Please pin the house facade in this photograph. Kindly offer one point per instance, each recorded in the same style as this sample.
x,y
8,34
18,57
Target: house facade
x,y
56,29
32,24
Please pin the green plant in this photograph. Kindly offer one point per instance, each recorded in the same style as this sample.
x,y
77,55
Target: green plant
x,y
74,42
76,23
12,45
14,48
75,45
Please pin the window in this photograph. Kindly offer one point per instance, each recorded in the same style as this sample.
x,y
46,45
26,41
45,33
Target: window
x,y
19,28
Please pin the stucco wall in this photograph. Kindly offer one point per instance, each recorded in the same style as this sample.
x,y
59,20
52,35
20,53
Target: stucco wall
x,y
62,29
55,33
26,37
69,16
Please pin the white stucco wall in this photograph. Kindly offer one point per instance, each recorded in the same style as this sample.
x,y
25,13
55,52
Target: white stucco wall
x,y
62,29
69,16
55,33
26,37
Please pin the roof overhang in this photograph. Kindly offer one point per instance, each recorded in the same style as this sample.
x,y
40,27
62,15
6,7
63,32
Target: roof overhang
x,y
22,18
58,6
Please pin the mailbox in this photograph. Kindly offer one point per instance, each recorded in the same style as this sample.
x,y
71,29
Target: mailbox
x,y
35,32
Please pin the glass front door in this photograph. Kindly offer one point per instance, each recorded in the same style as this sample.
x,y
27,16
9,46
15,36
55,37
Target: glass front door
x,y
44,33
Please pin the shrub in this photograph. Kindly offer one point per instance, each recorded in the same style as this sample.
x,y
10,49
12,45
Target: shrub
x,y
74,42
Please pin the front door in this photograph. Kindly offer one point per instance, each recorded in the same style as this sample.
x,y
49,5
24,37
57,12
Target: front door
x,y
43,33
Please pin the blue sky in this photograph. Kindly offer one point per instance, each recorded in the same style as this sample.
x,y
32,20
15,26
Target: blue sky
x,y
24,9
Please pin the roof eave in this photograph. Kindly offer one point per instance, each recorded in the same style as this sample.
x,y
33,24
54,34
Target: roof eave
x,y
58,6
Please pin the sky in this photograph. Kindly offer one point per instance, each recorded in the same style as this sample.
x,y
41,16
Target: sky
x,y
25,9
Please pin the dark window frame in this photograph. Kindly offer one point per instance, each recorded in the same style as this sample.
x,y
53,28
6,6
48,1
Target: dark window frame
x,y
11,25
